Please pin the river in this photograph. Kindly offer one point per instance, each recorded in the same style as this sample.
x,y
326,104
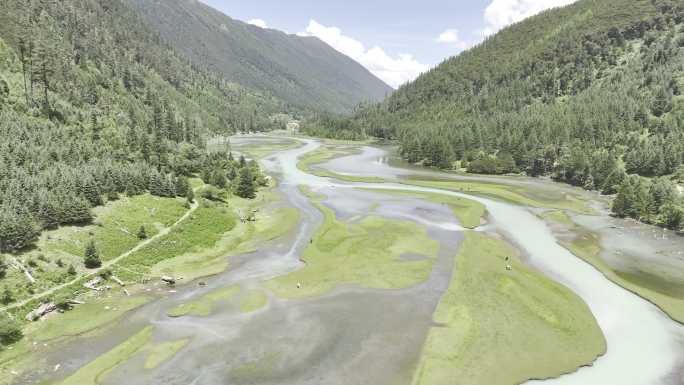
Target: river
x,y
342,338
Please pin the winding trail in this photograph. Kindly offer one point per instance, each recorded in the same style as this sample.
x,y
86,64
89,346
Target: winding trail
x,y
165,231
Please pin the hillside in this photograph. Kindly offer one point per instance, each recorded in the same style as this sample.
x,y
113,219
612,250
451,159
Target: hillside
x,y
301,70
586,93
93,107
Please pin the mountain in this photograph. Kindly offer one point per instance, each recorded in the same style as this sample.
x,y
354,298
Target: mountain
x,y
587,93
93,105
304,71
598,75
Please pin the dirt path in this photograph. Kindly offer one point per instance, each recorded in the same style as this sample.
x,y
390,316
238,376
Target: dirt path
x,y
107,264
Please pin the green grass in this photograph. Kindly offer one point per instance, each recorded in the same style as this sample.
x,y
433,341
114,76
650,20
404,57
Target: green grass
x,y
263,150
365,253
206,304
242,238
468,212
309,160
252,301
158,354
559,217
505,327
116,227
200,231
114,230
84,318
94,372
512,194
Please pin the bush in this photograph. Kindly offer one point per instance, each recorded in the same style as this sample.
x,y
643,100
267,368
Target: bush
x,y
212,193
10,331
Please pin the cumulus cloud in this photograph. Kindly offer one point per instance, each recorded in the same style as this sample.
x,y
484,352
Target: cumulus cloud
x,y
451,37
259,23
394,71
501,13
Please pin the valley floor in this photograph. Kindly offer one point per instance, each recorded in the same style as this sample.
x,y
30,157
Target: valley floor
x,y
357,271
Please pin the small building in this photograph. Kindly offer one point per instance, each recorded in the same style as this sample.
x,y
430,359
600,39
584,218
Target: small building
x,y
293,126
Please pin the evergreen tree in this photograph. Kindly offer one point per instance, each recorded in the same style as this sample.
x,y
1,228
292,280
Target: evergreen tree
x,y
245,186
92,256
142,233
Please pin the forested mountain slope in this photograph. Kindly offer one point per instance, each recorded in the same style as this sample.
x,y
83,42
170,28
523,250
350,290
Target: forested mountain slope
x,y
301,70
93,105
588,93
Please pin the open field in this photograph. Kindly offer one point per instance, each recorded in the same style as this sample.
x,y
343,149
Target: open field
x,y
114,231
365,253
505,327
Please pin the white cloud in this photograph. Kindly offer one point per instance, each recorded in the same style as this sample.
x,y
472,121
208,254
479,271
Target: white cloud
x,y
451,37
501,13
259,23
394,71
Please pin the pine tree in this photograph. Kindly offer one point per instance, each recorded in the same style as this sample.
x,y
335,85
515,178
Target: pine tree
x,y
142,233
219,179
92,256
245,187
182,186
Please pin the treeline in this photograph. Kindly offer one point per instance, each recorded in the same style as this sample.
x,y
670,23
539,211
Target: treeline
x,y
93,105
654,201
227,174
588,94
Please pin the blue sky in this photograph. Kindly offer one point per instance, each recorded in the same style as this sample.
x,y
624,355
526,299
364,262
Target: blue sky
x,y
395,39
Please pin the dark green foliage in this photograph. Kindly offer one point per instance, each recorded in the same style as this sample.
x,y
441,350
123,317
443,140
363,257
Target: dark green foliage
x,y
182,186
92,256
7,297
212,193
3,267
142,233
245,187
571,92
501,164
10,331
4,89
16,230
104,109
71,270
656,202
300,70
190,195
